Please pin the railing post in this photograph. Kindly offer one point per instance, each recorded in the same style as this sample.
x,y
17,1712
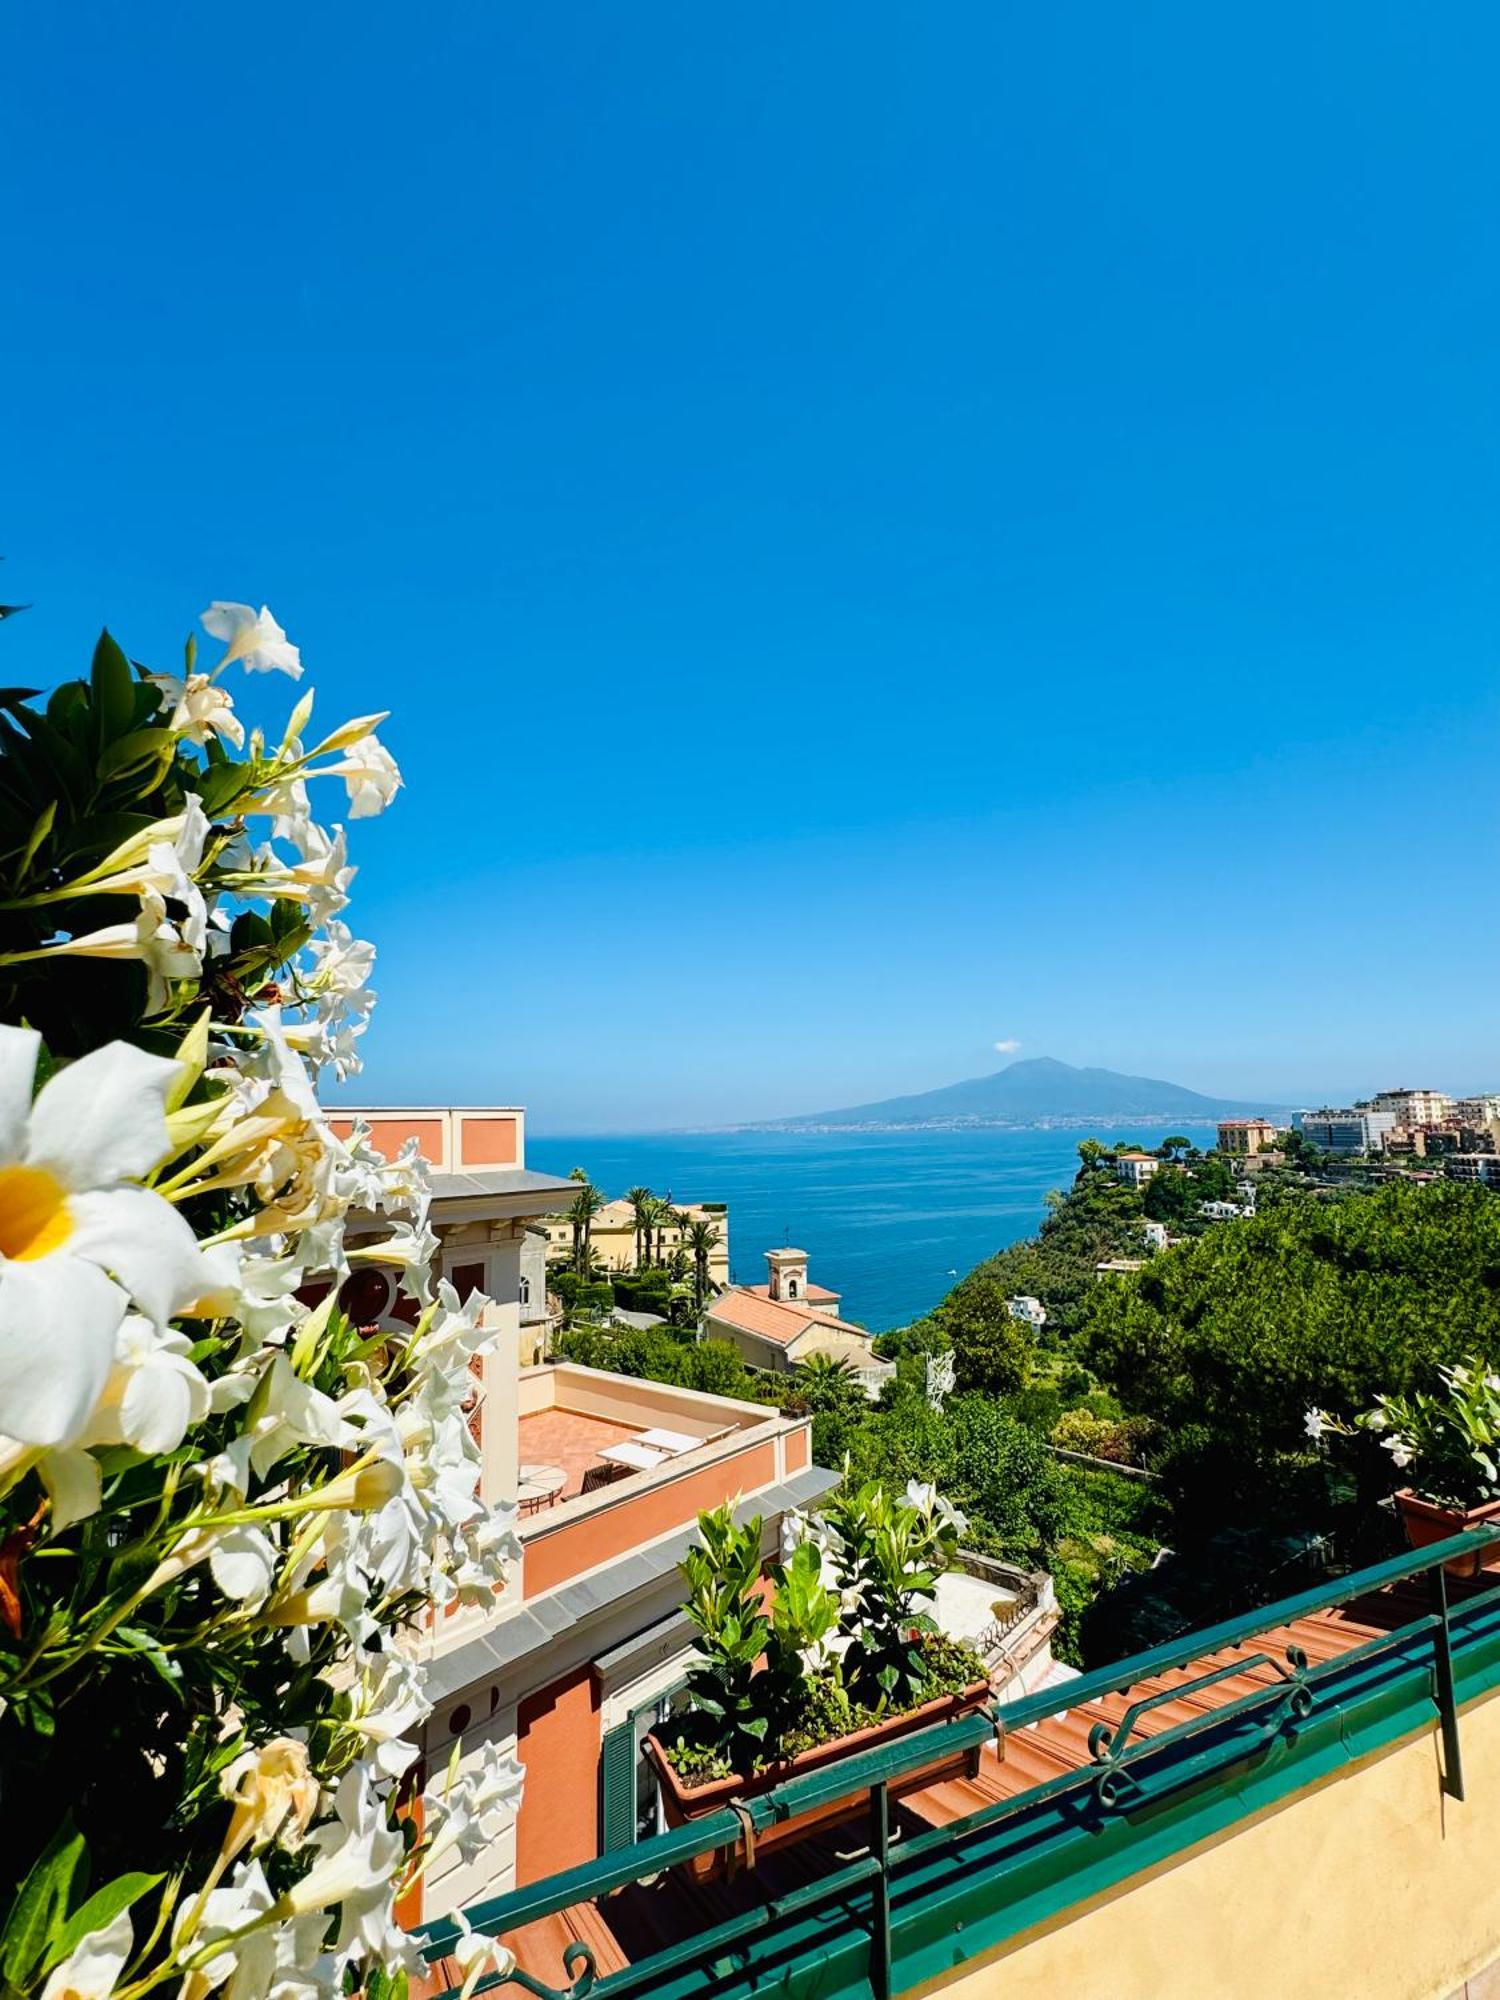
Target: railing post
x,y
880,1893
1442,1670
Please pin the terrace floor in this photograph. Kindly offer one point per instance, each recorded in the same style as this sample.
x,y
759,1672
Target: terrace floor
x,y
570,1440
650,1916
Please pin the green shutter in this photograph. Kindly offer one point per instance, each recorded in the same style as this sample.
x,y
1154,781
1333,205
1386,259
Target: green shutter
x,y
617,1787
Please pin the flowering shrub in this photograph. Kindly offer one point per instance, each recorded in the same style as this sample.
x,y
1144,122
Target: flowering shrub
x,y
842,1640
1449,1444
887,1555
224,1509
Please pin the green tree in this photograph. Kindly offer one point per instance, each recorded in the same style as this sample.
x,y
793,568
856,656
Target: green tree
x,y
702,1240
991,1350
640,1199
584,1206
1310,1302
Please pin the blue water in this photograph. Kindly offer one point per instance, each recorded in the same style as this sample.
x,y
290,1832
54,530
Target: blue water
x,y
887,1218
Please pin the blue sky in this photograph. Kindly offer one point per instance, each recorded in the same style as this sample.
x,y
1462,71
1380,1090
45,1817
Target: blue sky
x,y
884,530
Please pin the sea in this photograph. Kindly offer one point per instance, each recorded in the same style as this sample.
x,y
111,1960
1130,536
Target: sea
x,y
889,1219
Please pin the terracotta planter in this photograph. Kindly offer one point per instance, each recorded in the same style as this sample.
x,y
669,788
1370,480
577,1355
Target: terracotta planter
x,y
1425,1523
682,1803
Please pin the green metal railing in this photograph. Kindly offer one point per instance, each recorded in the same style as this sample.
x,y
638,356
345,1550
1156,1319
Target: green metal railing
x,y
1125,1774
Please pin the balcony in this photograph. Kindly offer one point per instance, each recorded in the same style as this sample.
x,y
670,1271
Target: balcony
x,y
609,1463
1305,1799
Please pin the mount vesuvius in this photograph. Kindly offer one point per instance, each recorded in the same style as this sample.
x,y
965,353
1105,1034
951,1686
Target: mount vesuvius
x,y
1041,1091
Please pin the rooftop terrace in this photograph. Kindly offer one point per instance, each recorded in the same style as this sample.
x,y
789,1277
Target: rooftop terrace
x,y
1066,1800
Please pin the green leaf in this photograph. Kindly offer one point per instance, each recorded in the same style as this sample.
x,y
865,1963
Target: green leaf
x,y
153,1653
36,1916
101,1908
136,751
38,834
114,691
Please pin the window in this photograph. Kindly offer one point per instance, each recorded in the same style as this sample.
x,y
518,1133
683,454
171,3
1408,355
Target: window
x,y
525,1290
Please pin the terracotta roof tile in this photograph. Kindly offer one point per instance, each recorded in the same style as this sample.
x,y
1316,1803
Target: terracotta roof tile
x,y
751,1313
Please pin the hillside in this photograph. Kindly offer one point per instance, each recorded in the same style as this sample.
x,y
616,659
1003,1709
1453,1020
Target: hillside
x,y
1041,1091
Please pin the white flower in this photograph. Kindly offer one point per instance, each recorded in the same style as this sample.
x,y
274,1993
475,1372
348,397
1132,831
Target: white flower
x,y
286,1411
924,1496
165,945
476,1953
242,1562
91,1971
152,1395
200,709
154,1391
389,1707
320,880
252,636
77,1241
274,1794
371,775
359,1856
476,1807
1316,1424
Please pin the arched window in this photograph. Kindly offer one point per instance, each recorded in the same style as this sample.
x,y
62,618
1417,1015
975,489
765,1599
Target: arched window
x,y
525,1290
791,1288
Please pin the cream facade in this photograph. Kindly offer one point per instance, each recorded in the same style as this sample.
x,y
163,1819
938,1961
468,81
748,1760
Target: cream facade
x,y
613,1242
1414,1107
1247,1135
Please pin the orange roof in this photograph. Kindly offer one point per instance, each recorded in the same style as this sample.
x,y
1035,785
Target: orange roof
x,y
743,1308
809,1292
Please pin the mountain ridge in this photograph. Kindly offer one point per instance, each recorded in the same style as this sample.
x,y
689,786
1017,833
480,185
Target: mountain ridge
x,y
1039,1091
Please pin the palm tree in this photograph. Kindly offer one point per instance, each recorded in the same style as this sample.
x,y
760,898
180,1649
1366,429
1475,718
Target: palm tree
x,y
585,1205
828,1381
656,1212
703,1239
640,1199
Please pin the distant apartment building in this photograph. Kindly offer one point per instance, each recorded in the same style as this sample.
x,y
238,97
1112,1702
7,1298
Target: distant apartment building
x,y
1247,1135
1482,1110
1414,1107
1345,1131
1484,1167
1136,1168
612,1235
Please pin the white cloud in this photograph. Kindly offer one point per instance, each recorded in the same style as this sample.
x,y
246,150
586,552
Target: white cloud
x,y
1007,1048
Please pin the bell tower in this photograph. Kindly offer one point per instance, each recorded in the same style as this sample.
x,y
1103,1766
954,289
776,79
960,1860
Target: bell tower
x,y
788,1275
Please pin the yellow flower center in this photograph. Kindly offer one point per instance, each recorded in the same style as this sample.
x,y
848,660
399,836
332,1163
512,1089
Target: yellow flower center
x,y
34,1215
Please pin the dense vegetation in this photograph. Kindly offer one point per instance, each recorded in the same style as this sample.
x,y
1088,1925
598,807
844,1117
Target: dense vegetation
x,y
1199,1369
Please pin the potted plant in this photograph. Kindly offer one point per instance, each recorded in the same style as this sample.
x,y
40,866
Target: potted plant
x,y
834,1651
1451,1442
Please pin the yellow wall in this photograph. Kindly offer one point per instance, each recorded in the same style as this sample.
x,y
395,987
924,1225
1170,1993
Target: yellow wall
x,y
1373,1886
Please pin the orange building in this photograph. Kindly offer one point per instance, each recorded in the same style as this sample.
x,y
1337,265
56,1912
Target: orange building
x,y
587,1647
